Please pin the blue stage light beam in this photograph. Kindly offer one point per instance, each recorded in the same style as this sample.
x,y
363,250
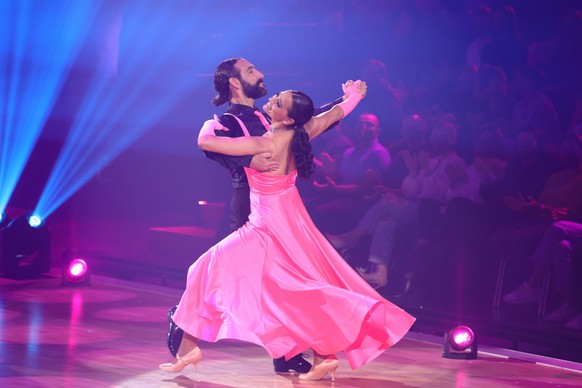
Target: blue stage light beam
x,y
39,41
114,113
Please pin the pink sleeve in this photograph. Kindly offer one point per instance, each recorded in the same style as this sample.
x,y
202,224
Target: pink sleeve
x,y
353,98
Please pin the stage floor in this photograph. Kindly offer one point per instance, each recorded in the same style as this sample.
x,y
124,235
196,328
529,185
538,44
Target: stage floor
x,y
112,334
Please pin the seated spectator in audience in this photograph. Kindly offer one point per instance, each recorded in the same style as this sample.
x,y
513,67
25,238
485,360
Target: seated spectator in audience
x,y
382,100
494,107
335,145
517,177
555,251
561,198
427,179
349,188
560,58
327,149
481,24
413,140
506,48
466,221
534,109
488,166
381,226
458,96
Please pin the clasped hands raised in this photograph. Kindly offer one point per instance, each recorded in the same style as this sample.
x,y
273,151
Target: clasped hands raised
x,y
351,87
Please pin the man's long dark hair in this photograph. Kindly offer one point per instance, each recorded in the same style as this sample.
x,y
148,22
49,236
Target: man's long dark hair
x,y
301,112
222,75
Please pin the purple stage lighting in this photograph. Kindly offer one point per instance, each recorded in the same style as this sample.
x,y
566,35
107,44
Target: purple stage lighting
x,y
462,337
460,343
75,270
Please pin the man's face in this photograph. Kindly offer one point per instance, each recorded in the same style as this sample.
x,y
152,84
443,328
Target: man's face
x,y
251,79
367,128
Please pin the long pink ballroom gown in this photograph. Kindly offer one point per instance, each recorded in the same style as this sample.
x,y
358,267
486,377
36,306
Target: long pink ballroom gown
x,y
278,283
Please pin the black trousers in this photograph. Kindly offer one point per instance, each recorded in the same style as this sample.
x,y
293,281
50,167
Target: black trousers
x,y
237,215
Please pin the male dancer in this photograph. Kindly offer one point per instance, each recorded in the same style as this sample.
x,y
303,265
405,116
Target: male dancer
x,y
239,83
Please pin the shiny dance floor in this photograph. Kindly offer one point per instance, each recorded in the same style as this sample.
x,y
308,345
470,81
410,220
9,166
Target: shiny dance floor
x,y
112,334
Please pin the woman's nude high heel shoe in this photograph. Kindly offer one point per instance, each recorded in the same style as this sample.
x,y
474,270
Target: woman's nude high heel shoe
x,y
192,357
320,370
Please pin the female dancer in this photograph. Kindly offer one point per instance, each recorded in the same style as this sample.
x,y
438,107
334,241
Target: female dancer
x,y
276,281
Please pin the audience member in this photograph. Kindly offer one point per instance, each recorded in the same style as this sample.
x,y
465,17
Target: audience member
x,y
392,212
384,101
561,198
506,48
555,251
495,106
534,109
424,188
480,23
350,185
517,178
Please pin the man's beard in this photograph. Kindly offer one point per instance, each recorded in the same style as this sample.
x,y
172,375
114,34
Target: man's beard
x,y
255,91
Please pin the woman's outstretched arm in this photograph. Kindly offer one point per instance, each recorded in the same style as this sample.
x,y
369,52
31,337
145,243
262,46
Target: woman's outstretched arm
x,y
354,91
238,146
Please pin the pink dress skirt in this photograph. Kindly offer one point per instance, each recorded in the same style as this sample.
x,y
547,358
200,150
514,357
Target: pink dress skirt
x,y
278,283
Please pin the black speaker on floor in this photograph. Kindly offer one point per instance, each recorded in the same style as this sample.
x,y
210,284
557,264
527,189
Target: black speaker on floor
x,y
25,249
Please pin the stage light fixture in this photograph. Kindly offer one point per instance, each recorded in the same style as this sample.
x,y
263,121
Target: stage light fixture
x,y
75,270
460,343
35,221
24,249
4,220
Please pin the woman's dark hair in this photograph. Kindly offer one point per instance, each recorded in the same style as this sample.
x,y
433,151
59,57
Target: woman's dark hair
x,y
301,112
223,72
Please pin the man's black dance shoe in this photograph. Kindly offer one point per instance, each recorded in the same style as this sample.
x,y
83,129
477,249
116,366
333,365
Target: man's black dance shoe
x,y
297,364
175,334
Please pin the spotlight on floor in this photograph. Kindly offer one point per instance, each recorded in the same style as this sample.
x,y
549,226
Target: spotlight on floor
x,y
460,343
75,271
25,251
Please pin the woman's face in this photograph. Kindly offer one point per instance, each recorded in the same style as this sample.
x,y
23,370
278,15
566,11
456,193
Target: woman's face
x,y
278,106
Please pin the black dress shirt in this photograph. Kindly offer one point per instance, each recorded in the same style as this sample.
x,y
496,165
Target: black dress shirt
x,y
235,164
